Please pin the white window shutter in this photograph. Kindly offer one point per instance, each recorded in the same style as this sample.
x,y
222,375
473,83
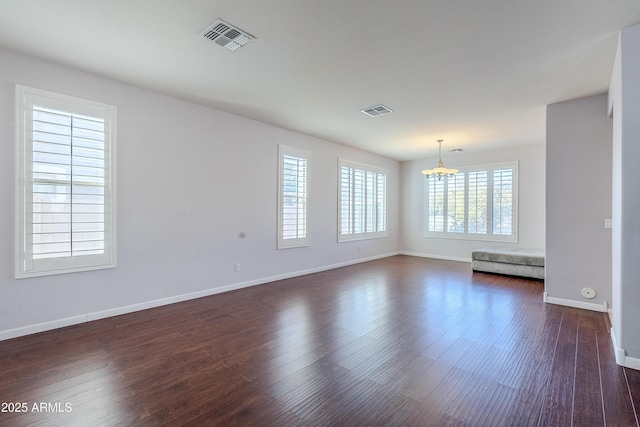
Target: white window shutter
x,y
66,216
293,197
362,201
477,203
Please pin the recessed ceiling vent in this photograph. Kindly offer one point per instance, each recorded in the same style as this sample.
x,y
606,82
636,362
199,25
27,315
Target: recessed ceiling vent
x,y
377,110
226,35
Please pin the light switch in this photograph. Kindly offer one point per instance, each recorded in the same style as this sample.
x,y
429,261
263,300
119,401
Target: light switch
x,y
607,223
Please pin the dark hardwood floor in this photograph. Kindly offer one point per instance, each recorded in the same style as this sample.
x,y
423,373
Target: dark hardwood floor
x,y
398,341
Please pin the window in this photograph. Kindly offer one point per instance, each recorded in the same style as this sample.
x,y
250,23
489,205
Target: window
x,y
293,198
476,203
362,201
65,216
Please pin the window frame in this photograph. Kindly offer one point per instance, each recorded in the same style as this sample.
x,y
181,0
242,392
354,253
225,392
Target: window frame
x,y
296,242
353,235
26,265
466,235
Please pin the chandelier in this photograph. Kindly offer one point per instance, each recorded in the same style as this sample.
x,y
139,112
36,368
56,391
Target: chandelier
x,y
440,170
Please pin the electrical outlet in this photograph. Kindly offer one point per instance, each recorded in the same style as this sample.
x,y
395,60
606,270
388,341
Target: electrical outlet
x,y
236,267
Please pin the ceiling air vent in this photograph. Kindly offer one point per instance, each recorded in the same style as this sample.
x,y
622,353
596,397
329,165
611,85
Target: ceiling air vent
x,y
377,110
226,35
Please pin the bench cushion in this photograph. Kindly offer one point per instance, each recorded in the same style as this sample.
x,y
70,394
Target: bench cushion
x,y
532,271
510,256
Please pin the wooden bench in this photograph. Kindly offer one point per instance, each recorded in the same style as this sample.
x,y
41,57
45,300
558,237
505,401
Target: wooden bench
x,y
512,262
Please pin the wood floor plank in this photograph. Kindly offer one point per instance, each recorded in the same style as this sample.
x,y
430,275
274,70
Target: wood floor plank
x,y
617,402
633,381
383,405
558,405
587,396
433,411
431,379
483,403
528,404
397,341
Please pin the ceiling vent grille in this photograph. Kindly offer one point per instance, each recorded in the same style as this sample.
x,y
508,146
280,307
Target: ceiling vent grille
x,y
226,35
377,110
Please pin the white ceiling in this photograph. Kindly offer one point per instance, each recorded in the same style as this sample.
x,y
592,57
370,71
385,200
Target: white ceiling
x,y
477,74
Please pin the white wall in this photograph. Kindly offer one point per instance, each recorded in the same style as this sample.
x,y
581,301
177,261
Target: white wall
x,y
579,135
624,100
190,180
531,202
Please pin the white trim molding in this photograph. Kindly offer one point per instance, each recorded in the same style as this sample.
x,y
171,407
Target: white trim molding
x,y
575,304
621,355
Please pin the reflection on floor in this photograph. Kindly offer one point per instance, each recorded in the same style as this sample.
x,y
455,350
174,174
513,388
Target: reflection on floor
x,y
398,341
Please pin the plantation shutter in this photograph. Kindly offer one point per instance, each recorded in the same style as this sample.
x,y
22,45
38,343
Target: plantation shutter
x,y
67,219
362,202
478,203
435,205
503,201
455,203
381,203
478,181
293,198
68,184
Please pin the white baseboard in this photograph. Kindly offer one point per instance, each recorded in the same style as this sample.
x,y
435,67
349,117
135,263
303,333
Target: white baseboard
x,y
87,317
631,363
621,355
575,304
447,258
619,352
